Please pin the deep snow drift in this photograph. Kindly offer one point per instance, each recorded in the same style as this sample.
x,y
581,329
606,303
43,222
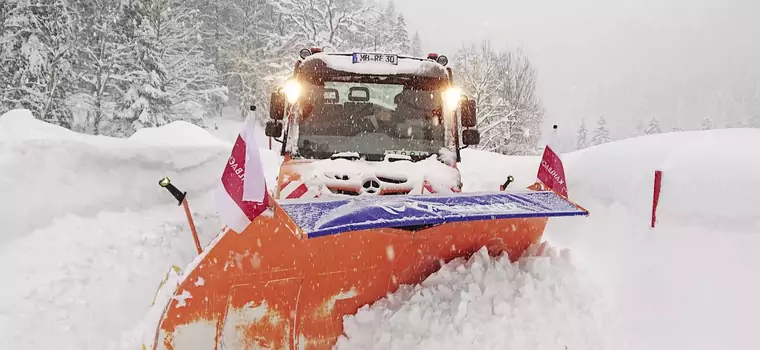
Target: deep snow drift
x,y
87,235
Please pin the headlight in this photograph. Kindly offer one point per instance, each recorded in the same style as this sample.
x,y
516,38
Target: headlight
x,y
451,97
292,91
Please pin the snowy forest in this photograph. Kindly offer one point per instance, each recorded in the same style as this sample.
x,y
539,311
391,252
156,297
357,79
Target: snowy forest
x,y
114,66
111,67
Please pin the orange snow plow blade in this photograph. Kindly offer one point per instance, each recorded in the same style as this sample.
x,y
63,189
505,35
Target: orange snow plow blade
x,y
287,281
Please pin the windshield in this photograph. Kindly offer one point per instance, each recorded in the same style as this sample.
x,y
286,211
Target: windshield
x,y
370,119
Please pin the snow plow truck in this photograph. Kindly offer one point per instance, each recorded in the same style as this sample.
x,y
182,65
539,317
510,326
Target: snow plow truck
x,y
369,197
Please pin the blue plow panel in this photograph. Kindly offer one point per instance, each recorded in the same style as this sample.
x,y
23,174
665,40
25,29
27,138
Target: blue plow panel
x,y
325,217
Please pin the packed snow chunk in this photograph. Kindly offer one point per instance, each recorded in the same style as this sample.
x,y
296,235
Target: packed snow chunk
x,y
488,303
402,176
177,134
345,62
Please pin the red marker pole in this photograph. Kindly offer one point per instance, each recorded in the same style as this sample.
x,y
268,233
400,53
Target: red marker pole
x,y
656,195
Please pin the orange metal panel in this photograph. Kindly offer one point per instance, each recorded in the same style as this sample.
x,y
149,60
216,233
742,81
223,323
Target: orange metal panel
x,y
268,287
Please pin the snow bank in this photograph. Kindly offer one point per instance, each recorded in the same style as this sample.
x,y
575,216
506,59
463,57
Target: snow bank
x,y
696,188
176,134
709,177
485,303
49,171
20,124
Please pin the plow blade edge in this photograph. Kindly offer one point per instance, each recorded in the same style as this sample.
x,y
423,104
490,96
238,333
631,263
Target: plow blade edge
x,y
289,278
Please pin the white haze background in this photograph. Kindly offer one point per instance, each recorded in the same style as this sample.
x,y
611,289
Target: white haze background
x,y
629,60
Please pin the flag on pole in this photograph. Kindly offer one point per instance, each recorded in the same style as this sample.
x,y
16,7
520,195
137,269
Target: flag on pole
x,y
242,195
551,172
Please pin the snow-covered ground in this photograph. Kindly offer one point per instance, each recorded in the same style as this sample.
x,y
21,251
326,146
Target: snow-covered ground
x,y
87,235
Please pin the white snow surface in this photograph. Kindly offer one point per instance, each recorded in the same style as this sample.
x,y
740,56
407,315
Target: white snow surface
x,y
484,303
87,235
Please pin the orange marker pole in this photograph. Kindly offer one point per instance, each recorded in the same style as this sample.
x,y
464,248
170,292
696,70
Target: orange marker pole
x,y
192,226
181,198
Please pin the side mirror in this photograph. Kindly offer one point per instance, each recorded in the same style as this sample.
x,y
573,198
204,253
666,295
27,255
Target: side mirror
x,y
470,137
469,114
273,129
277,106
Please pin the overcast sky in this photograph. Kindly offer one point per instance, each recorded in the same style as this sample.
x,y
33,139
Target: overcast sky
x,y
626,59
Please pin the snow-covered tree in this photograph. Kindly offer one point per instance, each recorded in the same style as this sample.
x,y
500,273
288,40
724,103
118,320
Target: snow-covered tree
x,y
416,45
213,23
601,134
35,58
328,24
104,48
384,30
401,37
503,85
128,64
582,139
707,123
653,127
258,51
172,77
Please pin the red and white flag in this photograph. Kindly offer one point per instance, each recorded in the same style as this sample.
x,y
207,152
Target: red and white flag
x,y
551,172
242,195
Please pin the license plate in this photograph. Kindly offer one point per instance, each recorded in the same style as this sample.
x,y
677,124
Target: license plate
x,y
375,57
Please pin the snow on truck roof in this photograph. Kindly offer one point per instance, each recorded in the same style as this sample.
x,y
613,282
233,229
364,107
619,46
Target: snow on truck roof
x,y
379,64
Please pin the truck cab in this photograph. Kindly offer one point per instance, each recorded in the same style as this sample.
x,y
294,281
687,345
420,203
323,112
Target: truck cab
x,y
354,124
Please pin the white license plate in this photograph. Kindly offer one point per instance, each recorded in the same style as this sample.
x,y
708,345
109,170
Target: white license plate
x,y
375,57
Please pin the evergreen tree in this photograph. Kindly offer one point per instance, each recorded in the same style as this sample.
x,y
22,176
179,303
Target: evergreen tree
x,y
601,134
582,139
401,37
416,45
653,127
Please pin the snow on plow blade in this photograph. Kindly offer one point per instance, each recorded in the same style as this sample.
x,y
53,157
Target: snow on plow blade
x,y
287,281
